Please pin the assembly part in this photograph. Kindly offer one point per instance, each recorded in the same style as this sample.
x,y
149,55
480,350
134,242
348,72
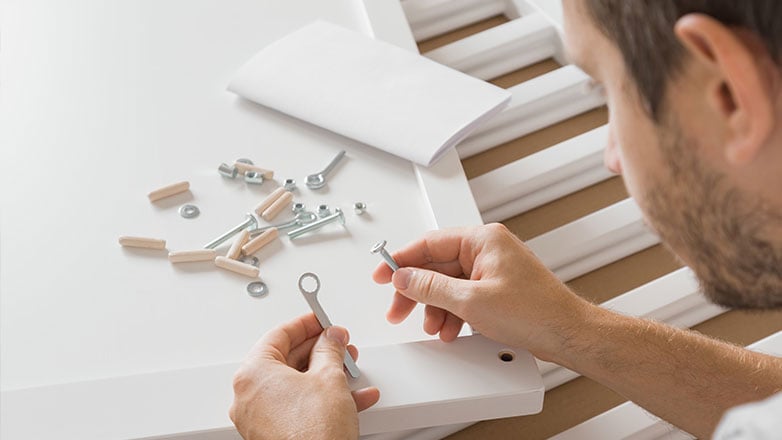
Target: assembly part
x,y
142,242
249,223
237,267
318,180
192,256
257,289
168,191
337,216
281,203
228,171
189,211
380,248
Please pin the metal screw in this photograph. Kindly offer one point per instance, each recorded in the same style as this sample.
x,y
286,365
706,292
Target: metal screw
x,y
257,289
318,180
229,171
251,221
247,161
289,184
323,211
301,219
380,248
359,208
253,177
337,216
189,211
297,208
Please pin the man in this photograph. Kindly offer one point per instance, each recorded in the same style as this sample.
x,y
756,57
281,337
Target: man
x,y
694,89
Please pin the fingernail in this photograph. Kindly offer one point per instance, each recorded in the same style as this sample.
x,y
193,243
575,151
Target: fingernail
x,y
338,334
402,278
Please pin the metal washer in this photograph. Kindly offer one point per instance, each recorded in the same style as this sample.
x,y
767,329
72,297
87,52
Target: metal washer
x,y
257,289
189,211
252,260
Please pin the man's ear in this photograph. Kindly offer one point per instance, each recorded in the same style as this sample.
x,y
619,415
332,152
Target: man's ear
x,y
741,89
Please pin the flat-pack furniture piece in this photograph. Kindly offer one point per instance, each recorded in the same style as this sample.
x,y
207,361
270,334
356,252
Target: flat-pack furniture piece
x,y
102,341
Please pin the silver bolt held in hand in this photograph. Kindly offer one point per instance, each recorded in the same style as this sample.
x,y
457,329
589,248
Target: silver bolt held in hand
x,y
311,296
337,216
318,180
251,221
380,248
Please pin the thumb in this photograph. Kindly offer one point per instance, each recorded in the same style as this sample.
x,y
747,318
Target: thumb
x,y
433,288
329,349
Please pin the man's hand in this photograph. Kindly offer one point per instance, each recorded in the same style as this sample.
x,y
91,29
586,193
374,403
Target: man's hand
x,y
487,277
291,385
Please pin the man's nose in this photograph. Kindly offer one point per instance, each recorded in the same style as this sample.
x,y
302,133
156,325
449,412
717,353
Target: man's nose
x,y
611,155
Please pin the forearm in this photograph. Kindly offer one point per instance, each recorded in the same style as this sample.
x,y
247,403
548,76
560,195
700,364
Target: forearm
x,y
679,375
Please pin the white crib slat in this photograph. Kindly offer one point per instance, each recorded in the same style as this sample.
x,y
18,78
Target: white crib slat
x,y
630,421
430,18
674,299
542,177
537,103
594,241
501,49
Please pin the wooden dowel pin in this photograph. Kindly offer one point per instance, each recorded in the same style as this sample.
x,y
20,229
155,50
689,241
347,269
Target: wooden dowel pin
x,y
237,267
268,201
281,203
192,256
236,248
260,241
168,191
142,242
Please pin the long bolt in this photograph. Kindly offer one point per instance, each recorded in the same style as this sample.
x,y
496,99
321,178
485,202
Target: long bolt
x,y
301,219
251,220
337,216
380,248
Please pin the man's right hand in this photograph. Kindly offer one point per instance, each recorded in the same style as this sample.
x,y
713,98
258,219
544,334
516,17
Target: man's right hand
x,y
489,278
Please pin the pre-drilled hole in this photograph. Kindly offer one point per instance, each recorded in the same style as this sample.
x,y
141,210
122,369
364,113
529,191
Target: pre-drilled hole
x,y
507,356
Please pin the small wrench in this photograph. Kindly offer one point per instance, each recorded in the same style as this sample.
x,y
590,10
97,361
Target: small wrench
x,y
318,180
312,299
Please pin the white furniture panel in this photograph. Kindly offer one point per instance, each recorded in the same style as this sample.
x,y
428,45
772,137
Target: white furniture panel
x,y
594,241
501,49
115,99
429,18
536,104
542,177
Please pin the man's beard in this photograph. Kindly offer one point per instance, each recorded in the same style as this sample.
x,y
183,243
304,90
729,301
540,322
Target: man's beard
x,y
730,239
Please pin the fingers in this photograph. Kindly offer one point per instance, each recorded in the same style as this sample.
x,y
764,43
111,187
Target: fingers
x,y
277,343
329,350
433,288
434,318
365,398
451,328
447,251
400,309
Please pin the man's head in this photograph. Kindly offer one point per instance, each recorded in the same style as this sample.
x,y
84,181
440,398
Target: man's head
x,y
694,90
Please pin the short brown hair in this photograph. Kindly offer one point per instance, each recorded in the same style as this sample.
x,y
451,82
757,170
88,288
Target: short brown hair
x,y
643,32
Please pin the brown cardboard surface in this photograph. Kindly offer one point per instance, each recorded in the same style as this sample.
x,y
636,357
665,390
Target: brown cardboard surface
x,y
581,399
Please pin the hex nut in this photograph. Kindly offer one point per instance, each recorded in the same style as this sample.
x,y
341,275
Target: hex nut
x,y
359,208
253,177
228,171
323,211
297,208
289,184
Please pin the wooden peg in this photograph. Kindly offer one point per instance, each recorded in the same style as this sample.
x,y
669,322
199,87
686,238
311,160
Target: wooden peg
x,y
277,207
192,256
168,191
142,242
237,267
268,201
260,241
236,248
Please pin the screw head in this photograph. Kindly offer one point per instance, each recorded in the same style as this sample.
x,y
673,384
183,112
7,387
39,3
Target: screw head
x,y
379,246
244,160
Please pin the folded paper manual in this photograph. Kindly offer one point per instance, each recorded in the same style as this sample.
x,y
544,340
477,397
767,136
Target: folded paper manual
x,y
369,90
